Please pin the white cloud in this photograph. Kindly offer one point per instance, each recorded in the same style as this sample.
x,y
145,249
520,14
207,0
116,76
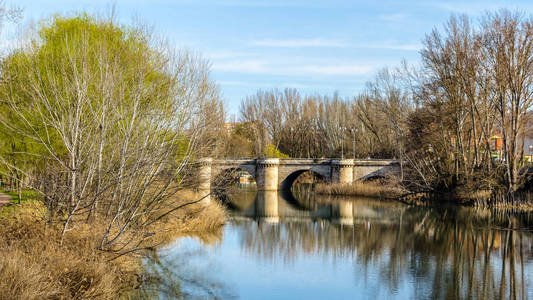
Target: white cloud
x,y
233,3
241,66
310,85
476,8
233,83
301,69
226,54
299,43
319,42
391,46
266,3
353,70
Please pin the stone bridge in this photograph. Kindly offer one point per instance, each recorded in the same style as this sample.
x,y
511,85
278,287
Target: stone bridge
x,y
271,206
274,174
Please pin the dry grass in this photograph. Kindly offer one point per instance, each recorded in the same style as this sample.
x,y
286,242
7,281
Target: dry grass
x,y
199,217
35,265
363,189
200,220
520,201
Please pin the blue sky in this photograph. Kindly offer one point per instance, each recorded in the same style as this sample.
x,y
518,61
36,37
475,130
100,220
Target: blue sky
x,y
315,46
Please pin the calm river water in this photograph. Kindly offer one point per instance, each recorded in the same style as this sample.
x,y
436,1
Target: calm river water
x,y
301,246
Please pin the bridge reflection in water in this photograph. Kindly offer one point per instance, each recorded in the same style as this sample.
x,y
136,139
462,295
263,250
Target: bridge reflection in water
x,y
305,246
302,205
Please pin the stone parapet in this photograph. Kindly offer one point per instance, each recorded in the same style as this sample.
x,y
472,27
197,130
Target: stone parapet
x,y
343,162
375,162
268,162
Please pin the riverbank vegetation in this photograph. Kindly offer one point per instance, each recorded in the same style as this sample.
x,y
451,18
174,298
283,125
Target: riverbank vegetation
x,y
383,190
103,123
457,123
42,263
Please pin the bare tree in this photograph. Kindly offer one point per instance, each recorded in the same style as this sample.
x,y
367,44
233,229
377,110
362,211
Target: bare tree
x,y
508,46
115,121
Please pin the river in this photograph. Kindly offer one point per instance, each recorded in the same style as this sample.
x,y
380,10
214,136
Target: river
x,y
299,245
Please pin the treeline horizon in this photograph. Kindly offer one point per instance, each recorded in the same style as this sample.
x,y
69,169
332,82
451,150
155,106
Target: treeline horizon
x,y
65,108
104,123
475,80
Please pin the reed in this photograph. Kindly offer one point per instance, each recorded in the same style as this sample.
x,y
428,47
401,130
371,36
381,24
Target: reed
x,y
518,201
363,189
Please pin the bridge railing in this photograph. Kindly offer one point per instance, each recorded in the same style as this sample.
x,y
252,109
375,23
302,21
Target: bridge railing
x,y
285,161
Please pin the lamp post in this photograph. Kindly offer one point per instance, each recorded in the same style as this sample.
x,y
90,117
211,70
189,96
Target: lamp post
x,y
292,139
353,131
342,142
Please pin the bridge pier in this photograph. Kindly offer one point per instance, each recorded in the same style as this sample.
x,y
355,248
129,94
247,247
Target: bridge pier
x,y
342,171
343,212
204,179
267,206
267,174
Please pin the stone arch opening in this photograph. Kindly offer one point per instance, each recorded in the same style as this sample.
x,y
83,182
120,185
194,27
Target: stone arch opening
x,y
288,181
301,199
227,181
232,175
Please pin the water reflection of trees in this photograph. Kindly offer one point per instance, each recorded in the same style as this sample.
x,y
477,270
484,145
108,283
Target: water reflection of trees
x,y
454,253
184,273
178,278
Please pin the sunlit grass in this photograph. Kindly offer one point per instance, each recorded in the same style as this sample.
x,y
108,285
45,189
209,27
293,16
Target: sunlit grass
x,y
36,265
364,189
25,195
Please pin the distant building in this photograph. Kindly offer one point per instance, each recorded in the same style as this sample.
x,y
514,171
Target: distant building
x,y
528,149
245,178
496,147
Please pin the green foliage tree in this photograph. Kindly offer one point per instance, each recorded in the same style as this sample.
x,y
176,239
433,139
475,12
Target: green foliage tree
x,y
105,116
272,152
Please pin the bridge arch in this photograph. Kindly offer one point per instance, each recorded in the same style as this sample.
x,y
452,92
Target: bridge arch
x,y
288,180
223,179
225,175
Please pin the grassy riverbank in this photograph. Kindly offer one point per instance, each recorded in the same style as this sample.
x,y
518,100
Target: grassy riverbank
x,y
521,201
362,189
37,265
